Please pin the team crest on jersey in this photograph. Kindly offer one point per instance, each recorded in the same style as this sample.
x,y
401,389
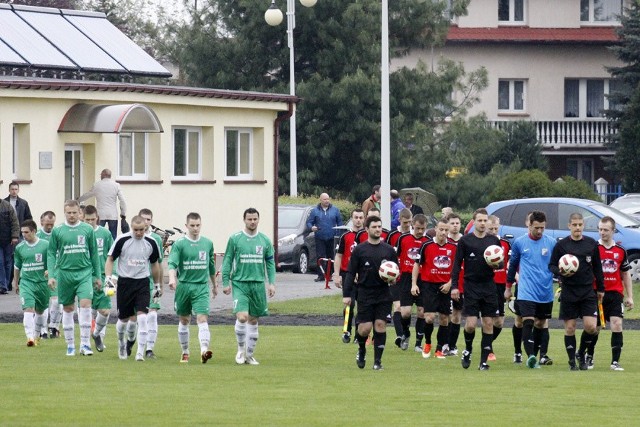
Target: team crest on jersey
x,y
353,246
588,258
616,255
545,251
259,250
414,253
202,256
442,262
38,257
81,240
100,242
609,266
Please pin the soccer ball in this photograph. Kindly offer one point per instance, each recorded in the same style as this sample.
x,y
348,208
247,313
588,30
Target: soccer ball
x,y
568,264
494,255
389,271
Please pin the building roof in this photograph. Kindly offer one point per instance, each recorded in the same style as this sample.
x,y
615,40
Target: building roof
x,y
508,34
12,82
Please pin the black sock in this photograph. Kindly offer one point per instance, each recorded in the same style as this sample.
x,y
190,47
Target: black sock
x,y
397,323
527,336
496,332
454,332
443,333
487,339
362,341
537,339
428,332
351,315
544,342
420,326
517,339
406,323
586,339
570,345
616,346
592,348
379,339
468,340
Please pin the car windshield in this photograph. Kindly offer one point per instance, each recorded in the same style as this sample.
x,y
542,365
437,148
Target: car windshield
x,y
628,202
622,219
289,218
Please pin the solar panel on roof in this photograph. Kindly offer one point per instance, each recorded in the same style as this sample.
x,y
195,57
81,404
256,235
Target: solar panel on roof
x,y
8,56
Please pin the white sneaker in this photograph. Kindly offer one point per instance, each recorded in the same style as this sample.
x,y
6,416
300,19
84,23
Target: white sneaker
x,y
139,357
250,360
615,366
122,351
85,350
241,358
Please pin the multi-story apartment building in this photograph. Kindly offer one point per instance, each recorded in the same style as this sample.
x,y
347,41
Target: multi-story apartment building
x,y
547,63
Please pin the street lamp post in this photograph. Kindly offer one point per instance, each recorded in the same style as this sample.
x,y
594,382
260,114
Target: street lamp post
x,y
385,132
274,17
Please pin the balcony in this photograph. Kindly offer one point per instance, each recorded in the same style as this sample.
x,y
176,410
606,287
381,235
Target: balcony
x,y
569,134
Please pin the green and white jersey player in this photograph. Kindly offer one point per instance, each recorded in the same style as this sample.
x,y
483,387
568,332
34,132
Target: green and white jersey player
x,y
248,263
54,312
154,304
74,254
30,280
100,303
191,267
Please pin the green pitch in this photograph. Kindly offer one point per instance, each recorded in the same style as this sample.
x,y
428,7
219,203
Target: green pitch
x,y
308,377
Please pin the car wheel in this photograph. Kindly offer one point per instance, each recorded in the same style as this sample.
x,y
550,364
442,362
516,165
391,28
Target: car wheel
x,y
302,262
634,262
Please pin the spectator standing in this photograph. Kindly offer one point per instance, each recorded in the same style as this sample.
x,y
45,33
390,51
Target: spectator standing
x,y
23,212
408,203
396,207
9,233
322,220
373,201
107,192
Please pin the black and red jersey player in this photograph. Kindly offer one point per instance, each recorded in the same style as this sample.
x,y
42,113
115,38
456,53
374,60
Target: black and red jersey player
x,y
451,349
346,244
499,277
431,280
408,249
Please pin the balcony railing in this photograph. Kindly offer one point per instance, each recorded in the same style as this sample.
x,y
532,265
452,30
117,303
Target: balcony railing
x,y
569,133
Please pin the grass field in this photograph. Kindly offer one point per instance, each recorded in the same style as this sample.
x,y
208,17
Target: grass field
x,y
308,377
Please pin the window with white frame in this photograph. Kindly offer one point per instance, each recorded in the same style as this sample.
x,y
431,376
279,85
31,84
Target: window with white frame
x,y
511,95
239,153
132,155
598,11
581,169
586,98
511,11
187,147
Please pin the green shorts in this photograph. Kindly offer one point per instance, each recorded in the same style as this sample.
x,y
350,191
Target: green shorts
x,y
152,305
191,298
34,295
250,297
74,283
100,300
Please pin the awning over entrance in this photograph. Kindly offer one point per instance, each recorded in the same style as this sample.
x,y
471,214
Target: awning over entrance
x,y
110,118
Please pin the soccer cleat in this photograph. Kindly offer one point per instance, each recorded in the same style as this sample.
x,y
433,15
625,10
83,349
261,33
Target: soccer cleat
x,y
122,351
71,351
531,361
98,341
589,361
150,354
31,342
426,351
440,355
377,366
250,360
483,367
405,343
130,346
85,350
361,359
44,336
398,341
615,366
346,337
466,359
517,358
572,365
139,357
453,351
546,360
184,358
584,364
205,356
54,333
417,349
240,358
491,357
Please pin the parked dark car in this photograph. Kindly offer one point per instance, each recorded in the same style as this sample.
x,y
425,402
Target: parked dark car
x,y
296,246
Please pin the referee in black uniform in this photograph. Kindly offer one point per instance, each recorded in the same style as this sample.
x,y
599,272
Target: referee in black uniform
x,y
373,296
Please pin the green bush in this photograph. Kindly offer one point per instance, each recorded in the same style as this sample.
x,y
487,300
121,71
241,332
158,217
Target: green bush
x,y
571,187
526,183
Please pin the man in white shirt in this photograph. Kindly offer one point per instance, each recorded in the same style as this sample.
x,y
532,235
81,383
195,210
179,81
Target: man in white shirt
x,y
107,192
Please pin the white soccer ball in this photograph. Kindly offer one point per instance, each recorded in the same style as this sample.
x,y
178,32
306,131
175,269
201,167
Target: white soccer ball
x,y
568,264
389,271
494,255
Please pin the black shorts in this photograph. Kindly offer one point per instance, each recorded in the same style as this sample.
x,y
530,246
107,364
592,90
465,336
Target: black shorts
x,y
457,305
587,306
395,291
500,287
612,305
372,312
539,310
406,299
133,296
435,301
481,306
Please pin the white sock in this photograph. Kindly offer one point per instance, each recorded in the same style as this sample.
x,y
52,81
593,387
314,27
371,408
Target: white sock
x,y
252,338
101,324
28,322
142,333
183,337
40,323
204,336
69,328
152,329
120,329
241,335
54,313
131,330
45,317
84,320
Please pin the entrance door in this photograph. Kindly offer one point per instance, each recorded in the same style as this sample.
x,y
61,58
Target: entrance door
x,y
72,171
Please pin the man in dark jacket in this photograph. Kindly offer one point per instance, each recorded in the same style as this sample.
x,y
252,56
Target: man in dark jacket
x,y
9,232
21,206
322,220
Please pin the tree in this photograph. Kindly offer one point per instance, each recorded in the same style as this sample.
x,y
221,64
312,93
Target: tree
x,y
60,4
